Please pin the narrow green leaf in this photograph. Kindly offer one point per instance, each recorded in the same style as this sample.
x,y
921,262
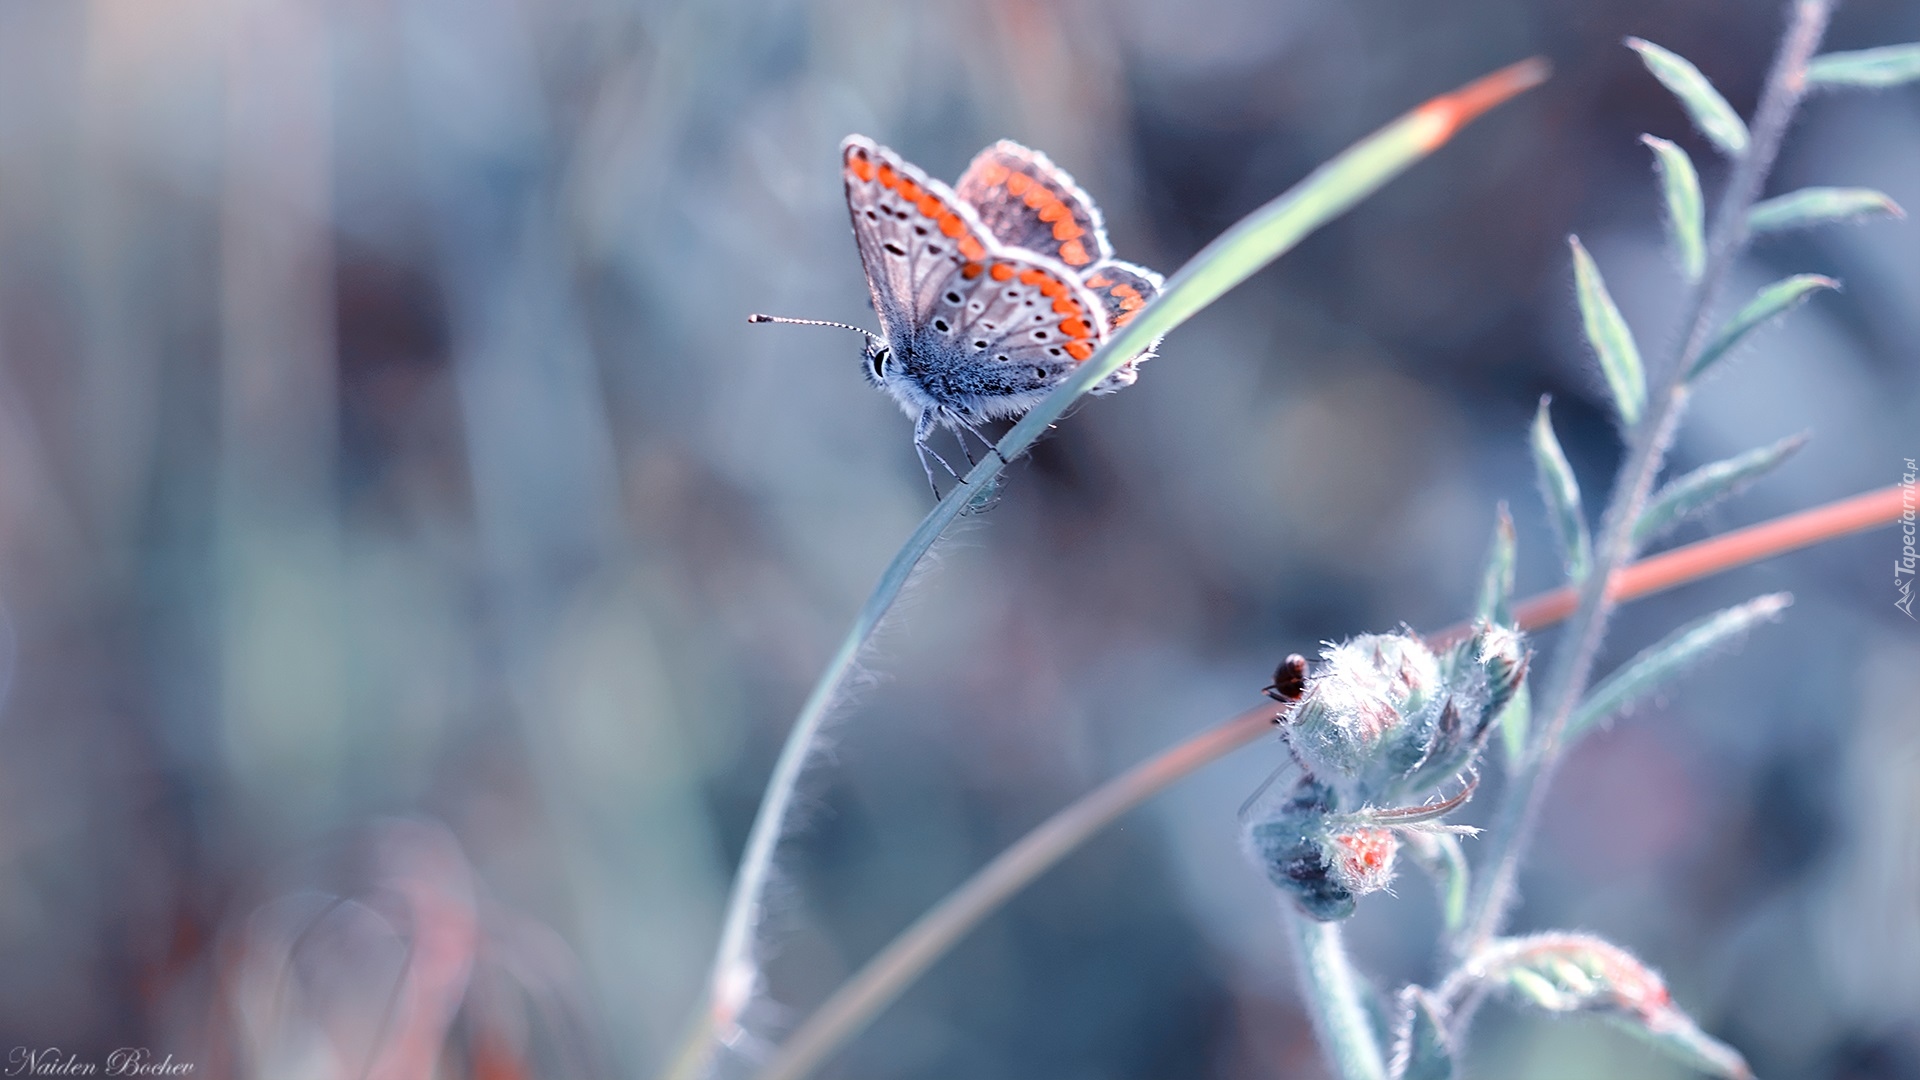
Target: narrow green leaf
x,y
1686,210
1673,654
1771,302
1710,112
1422,1050
1562,495
1809,207
1889,65
1495,603
1607,332
1515,721
1688,495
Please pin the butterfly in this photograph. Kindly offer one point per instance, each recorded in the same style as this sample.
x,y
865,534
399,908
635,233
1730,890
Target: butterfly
x,y
990,293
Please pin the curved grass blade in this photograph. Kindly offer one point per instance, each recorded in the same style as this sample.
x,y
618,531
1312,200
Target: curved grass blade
x,y
1676,652
1231,258
1561,493
1814,206
1612,341
1708,484
1768,304
1686,210
1710,112
1889,65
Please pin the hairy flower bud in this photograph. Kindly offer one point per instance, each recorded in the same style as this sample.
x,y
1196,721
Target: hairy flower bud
x,y
1383,720
1290,845
1361,859
1350,728
1385,717
1483,673
1322,860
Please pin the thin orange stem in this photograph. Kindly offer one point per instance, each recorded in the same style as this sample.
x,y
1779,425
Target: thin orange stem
x,y
1713,555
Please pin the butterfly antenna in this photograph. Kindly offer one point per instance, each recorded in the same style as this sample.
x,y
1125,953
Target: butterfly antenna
x,y
756,318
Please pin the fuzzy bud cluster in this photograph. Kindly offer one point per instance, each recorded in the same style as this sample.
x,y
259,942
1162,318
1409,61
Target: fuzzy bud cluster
x,y
1384,720
1580,973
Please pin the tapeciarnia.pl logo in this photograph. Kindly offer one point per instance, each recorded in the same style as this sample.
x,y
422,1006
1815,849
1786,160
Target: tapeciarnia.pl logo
x,y
1903,566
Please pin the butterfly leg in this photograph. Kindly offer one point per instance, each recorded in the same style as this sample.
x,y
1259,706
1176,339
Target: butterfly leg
x,y
921,430
984,441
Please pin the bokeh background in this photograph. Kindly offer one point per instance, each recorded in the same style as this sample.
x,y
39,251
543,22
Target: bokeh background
x,y
410,560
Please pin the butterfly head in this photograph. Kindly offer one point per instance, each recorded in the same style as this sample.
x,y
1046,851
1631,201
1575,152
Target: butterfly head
x,y
878,363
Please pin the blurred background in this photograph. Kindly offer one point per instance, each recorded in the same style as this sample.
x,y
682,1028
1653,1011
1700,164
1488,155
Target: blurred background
x,y
411,561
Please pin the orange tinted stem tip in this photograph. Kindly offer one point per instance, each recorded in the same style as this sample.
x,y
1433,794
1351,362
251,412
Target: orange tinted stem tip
x,y
1446,114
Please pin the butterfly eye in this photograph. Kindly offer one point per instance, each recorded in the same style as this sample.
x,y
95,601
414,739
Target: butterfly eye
x,y
882,356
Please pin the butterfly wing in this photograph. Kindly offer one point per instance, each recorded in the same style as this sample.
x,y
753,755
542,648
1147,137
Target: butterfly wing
x,y
1123,289
1028,202
1011,328
912,232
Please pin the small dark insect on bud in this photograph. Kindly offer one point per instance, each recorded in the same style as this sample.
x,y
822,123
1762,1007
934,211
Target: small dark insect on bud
x,y
1289,679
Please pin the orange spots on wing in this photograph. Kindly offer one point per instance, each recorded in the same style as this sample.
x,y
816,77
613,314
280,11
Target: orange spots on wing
x,y
971,270
1122,319
1037,197
1001,271
1066,305
951,225
972,248
1124,289
1018,183
1031,276
930,205
1053,211
1073,253
861,165
994,174
909,190
1098,281
888,177
1075,328
1131,303
1066,229
1079,350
